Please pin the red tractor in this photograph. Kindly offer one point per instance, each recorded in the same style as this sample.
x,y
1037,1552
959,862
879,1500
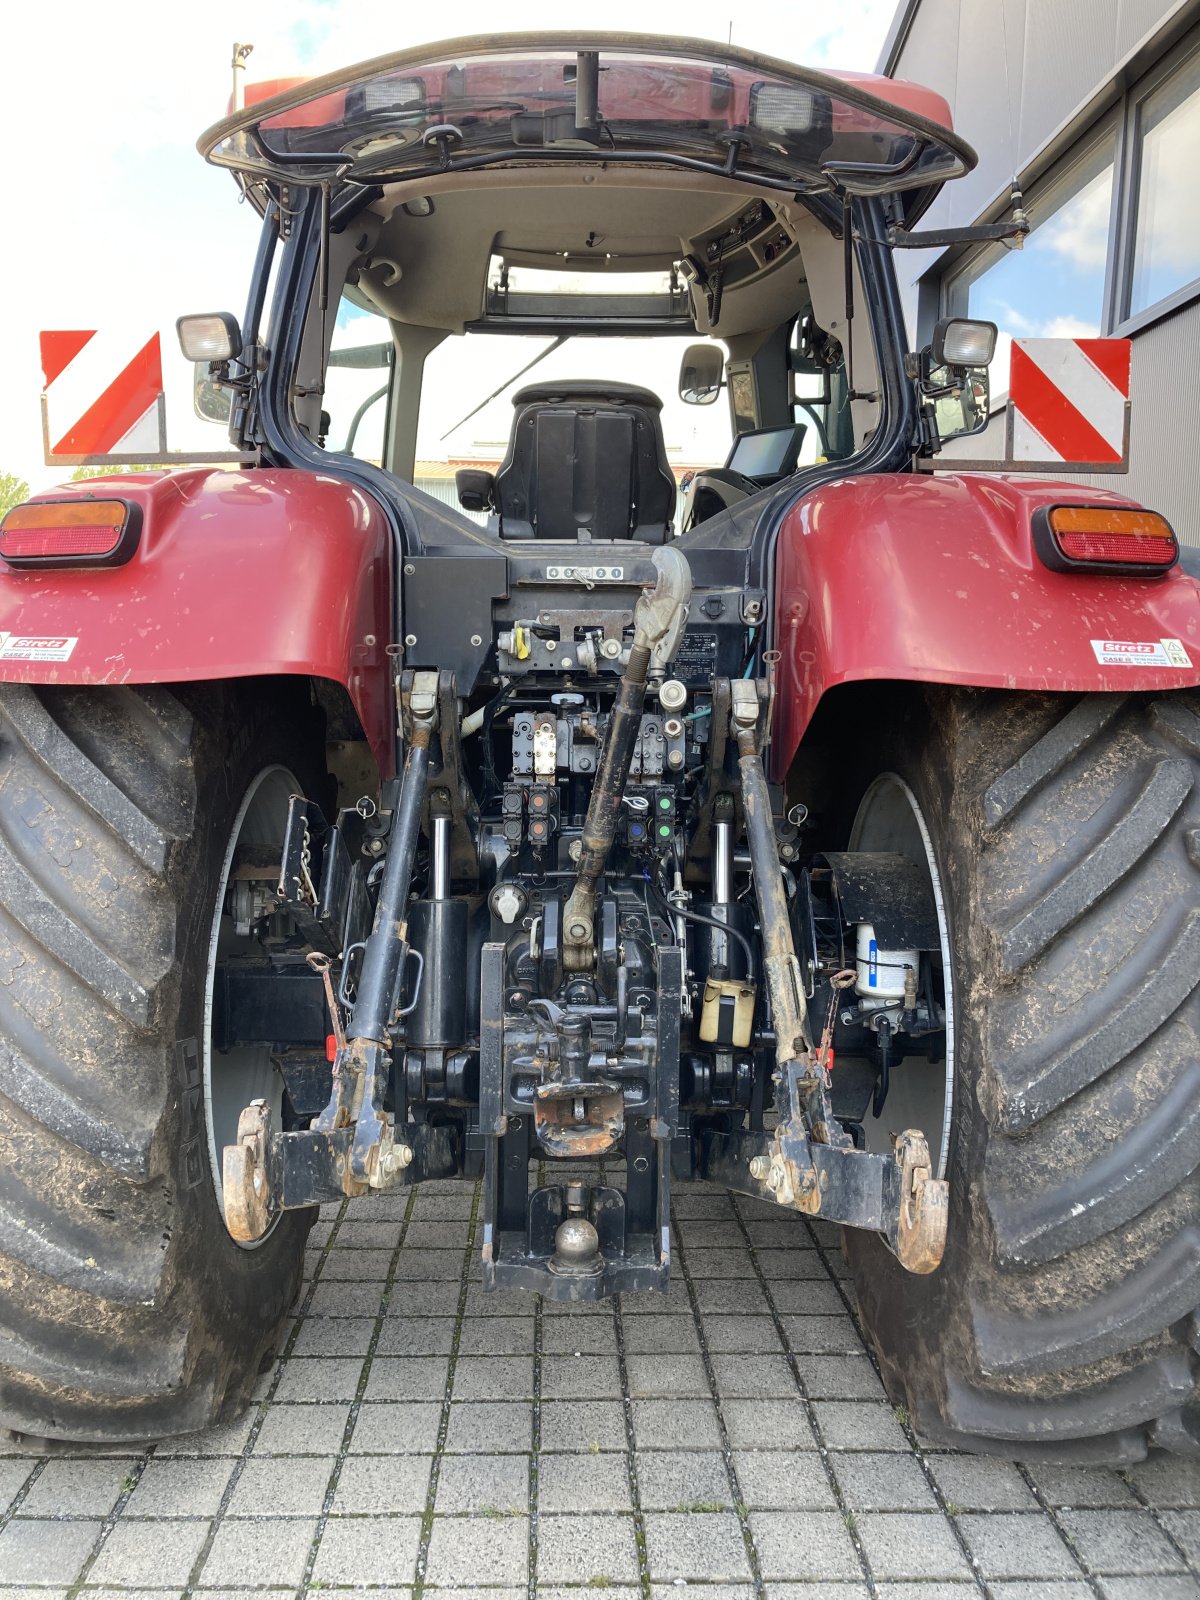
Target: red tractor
x,y
832,835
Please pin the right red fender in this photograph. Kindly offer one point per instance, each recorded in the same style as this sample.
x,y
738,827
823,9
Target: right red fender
x,y
935,580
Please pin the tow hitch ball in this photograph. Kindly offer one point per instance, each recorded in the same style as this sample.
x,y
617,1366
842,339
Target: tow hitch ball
x,y
809,1163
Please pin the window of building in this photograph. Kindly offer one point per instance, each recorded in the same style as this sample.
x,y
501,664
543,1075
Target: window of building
x,y
1166,222
1116,227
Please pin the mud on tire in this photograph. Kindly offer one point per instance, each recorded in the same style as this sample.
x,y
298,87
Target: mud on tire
x,y
126,1310
1062,1324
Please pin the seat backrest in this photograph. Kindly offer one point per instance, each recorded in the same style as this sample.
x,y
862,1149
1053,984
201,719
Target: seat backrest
x,y
586,460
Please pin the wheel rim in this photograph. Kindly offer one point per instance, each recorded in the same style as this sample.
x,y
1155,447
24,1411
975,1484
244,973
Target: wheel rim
x,y
233,1078
921,1094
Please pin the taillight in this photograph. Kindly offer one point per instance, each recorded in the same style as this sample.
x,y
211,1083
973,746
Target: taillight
x,y
1123,541
70,533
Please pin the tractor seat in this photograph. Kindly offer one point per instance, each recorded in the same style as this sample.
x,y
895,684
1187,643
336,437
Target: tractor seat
x,y
586,460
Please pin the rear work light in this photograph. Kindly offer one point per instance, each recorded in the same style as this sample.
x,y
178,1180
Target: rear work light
x,y
70,533
1118,540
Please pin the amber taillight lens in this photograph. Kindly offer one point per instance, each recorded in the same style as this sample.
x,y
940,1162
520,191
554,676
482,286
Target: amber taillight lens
x,y
1122,541
70,533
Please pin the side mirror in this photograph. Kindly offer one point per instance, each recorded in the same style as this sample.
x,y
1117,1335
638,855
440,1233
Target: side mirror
x,y
700,374
476,489
212,401
960,398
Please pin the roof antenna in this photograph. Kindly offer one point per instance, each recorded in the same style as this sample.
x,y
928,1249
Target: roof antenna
x,y
730,39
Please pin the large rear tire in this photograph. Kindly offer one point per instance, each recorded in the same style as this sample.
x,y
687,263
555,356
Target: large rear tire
x,y
127,1312
1062,1323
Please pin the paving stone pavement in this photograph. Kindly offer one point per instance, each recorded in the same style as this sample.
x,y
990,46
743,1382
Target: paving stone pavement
x,y
731,1438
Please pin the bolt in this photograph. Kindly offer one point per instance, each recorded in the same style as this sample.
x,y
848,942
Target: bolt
x,y
476,639
579,930
759,1167
551,644
410,639
368,638
675,758
568,661
409,569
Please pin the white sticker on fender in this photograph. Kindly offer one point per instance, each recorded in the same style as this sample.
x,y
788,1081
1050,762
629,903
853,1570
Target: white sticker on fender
x,y
30,647
1141,653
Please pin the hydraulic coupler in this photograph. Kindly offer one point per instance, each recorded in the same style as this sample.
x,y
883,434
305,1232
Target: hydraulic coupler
x,y
810,1163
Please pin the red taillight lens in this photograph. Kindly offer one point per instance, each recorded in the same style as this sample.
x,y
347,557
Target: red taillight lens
x,y
70,533
1119,540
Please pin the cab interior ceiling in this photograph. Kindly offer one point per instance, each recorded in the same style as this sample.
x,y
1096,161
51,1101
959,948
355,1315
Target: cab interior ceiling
x,y
431,271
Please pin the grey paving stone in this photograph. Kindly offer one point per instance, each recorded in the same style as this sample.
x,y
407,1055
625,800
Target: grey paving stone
x,y
365,1234
579,1377
319,1379
772,1480
726,1335
76,1488
269,1487
1120,1541
408,1378
768,1425
296,1430
13,1474
496,1336
481,1302
667,1376
790,1266
731,1295
180,1488
716,1591
822,1335
415,1336
705,1264
814,1546
47,1552
810,1298
429,1266
369,1266
675,1424
679,1480
701,1232
1166,1481
582,1336
1050,1589
1156,1588
1083,1487
839,1377
249,1553
751,1377
1014,1544
448,1234
396,1429
333,1336
584,1549
583,1483
423,1300
442,1207
488,1483
494,1378
587,1425
693,1201
137,1555
934,1591
381,1486
463,1550
665,1335
882,1481
478,1427
858,1425
695,1545
911,1544
227,1440
352,1551
345,1300
980,1483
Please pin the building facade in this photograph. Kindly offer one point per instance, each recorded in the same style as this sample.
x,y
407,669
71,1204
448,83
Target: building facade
x,y
1093,108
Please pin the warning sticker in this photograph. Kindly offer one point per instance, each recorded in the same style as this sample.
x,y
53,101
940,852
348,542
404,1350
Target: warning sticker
x,y
1141,653
30,647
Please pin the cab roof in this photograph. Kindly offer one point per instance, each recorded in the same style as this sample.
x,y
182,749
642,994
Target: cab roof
x,y
543,99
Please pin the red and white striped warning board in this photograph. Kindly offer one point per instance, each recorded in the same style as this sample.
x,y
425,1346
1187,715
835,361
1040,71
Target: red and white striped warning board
x,y
1069,402
103,396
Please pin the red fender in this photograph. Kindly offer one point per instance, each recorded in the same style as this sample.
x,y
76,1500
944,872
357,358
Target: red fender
x,y
935,580
236,575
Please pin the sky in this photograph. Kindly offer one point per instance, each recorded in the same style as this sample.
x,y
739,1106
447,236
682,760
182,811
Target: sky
x,y
117,224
